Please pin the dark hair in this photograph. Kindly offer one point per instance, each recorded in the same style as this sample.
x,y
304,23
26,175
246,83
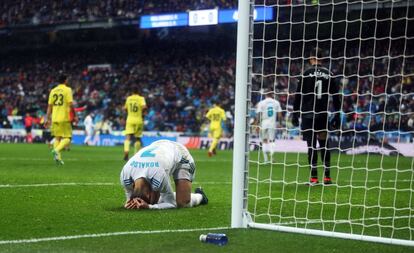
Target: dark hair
x,y
269,93
317,53
266,91
216,101
135,88
62,78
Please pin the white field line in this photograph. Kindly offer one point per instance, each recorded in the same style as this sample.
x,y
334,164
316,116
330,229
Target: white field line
x,y
194,183
72,237
86,184
353,221
267,181
53,184
34,159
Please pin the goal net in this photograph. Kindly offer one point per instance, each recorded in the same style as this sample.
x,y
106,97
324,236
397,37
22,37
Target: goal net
x,y
368,47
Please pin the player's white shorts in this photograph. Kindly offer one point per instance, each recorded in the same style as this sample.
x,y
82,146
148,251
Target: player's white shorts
x,y
185,171
186,167
267,134
89,131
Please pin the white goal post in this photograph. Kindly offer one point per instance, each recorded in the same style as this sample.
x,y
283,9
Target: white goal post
x,y
369,50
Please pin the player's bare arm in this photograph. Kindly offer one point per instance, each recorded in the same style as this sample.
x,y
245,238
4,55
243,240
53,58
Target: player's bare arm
x,y
48,116
75,117
280,119
144,110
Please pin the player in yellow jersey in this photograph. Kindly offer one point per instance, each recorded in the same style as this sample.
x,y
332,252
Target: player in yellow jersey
x,y
135,106
60,105
216,115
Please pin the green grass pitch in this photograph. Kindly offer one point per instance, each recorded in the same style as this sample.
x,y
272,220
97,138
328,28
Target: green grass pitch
x,y
77,207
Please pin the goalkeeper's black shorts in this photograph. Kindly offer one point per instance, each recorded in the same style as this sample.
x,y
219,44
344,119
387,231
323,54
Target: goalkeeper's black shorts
x,y
312,125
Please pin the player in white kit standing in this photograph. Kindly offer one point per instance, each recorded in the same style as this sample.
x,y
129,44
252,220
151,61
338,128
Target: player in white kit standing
x,y
268,112
146,178
89,128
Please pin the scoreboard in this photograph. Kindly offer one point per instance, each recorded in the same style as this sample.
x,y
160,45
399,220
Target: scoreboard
x,y
201,18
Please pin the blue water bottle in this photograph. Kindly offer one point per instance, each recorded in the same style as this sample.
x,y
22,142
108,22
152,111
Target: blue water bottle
x,y
218,239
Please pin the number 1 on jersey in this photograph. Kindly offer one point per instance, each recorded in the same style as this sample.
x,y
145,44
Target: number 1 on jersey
x,y
318,85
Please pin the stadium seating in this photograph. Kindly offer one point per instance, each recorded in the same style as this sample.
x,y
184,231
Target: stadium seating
x,y
180,84
35,12
180,87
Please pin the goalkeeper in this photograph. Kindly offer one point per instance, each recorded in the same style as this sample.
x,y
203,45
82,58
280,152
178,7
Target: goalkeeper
x,y
146,178
312,104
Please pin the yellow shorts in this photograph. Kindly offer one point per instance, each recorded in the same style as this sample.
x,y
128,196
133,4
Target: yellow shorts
x,y
135,129
62,129
215,133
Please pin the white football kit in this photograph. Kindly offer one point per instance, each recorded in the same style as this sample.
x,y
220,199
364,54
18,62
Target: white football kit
x,y
89,126
268,110
156,163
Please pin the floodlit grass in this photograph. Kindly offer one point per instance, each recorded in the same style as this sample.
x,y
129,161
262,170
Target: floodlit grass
x,y
41,200
371,195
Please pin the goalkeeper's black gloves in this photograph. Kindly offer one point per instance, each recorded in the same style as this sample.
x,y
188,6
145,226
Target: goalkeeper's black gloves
x,y
295,119
336,121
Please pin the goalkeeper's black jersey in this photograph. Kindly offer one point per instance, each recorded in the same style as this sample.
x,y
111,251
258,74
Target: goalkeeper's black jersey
x,y
313,91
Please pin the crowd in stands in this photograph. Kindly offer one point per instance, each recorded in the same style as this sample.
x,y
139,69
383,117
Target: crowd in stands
x,y
377,88
179,85
34,12
40,12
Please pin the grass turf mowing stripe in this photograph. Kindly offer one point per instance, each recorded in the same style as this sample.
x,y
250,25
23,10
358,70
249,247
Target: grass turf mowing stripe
x,y
52,184
83,184
195,183
72,237
35,159
86,159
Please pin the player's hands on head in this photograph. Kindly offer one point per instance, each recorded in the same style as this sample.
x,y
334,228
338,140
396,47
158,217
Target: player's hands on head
x,y
136,203
131,204
141,204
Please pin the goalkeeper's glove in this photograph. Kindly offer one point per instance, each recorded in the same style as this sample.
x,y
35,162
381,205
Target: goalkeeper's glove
x,y
336,121
295,120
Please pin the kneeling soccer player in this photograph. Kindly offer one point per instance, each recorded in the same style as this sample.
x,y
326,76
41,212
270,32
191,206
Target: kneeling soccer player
x,y
146,178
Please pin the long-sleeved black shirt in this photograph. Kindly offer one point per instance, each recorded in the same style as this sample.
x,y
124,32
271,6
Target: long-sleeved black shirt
x,y
313,91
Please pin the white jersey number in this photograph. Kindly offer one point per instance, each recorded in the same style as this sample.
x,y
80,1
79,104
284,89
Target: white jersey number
x,y
318,85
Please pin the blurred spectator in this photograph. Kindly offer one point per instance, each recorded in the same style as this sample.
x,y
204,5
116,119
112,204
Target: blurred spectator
x,y
179,84
28,124
35,12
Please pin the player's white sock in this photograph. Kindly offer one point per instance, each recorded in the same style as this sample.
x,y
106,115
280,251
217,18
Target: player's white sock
x,y
87,139
271,150
265,149
196,199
